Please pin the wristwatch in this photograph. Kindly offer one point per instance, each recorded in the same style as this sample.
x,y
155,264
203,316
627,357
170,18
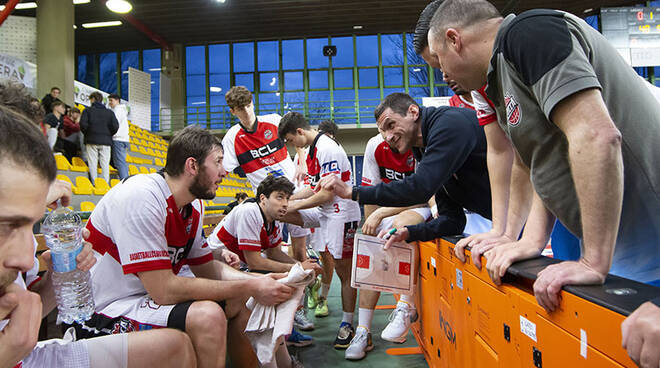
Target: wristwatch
x,y
355,193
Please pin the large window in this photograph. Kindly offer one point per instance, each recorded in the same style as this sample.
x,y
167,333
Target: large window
x,y
108,72
129,59
151,63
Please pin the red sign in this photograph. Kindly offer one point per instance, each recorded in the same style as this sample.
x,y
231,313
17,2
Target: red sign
x,y
404,268
363,261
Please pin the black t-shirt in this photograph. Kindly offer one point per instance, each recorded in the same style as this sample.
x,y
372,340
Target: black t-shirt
x,y
53,121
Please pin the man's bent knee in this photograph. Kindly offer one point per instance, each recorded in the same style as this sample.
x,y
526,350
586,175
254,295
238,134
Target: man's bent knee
x,y
206,315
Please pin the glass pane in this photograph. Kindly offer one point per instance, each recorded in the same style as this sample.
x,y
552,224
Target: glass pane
x,y
220,115
318,79
315,58
86,69
246,80
294,101
418,75
369,99
344,58
419,92
393,76
344,109
389,91
151,64
293,80
367,50
219,59
392,49
319,106
413,58
343,78
292,54
219,85
244,57
195,87
268,55
128,59
368,77
195,60
151,60
269,103
108,72
268,82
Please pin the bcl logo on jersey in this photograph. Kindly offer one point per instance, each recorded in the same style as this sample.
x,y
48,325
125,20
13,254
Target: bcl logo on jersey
x,y
394,175
268,134
512,109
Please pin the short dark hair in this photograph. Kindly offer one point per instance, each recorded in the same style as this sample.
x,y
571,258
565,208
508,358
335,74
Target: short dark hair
x,y
56,103
274,184
114,96
74,110
238,97
191,141
16,97
462,13
240,195
23,144
420,38
55,89
291,122
328,127
398,102
97,96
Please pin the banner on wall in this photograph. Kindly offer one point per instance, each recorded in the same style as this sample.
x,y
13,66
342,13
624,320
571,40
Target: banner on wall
x,y
139,95
435,101
18,70
81,93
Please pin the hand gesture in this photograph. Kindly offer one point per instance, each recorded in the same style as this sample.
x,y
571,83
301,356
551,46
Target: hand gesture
x,y
333,183
231,258
19,337
400,235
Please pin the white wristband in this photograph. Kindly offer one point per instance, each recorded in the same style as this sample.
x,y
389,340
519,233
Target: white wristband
x,y
434,211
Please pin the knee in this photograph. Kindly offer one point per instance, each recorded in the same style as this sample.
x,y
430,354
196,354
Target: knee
x,y
206,316
182,350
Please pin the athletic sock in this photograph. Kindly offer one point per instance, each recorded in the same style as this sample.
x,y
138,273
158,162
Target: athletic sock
x,y
325,288
364,318
347,317
408,299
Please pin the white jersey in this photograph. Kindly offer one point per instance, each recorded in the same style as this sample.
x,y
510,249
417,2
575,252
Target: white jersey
x,y
137,227
327,157
245,229
258,152
381,165
483,106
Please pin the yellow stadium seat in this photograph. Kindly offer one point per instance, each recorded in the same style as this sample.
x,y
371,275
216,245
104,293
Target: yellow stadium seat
x,y
87,206
158,162
144,170
101,187
142,150
83,186
134,148
77,164
151,152
150,144
113,182
132,170
62,163
64,178
112,170
152,170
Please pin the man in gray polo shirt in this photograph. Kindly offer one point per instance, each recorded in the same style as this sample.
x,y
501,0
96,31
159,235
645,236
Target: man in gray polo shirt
x,y
583,124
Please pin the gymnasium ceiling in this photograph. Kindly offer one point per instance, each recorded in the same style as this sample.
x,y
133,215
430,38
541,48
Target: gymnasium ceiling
x,y
207,21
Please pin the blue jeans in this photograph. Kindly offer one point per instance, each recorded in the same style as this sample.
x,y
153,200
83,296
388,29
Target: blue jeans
x,y
119,149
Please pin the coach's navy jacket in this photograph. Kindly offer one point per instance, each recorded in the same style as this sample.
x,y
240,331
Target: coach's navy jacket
x,y
451,165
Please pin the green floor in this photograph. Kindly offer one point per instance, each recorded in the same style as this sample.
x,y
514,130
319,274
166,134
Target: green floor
x,y
322,353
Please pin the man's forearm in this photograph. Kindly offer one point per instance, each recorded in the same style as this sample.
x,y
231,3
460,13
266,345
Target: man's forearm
x,y
276,254
520,199
384,212
539,223
265,264
322,197
306,192
500,160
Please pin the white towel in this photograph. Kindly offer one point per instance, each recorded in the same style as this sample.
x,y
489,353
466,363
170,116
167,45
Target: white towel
x,y
268,323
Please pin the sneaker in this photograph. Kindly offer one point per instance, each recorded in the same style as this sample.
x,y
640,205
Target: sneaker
x,y
313,294
344,336
298,340
400,320
322,308
360,344
301,321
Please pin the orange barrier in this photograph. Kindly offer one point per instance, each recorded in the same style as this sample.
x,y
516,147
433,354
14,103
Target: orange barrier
x,y
467,321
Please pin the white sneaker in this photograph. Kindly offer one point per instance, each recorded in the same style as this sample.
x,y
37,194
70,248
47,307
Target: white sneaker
x,y
301,321
400,320
360,344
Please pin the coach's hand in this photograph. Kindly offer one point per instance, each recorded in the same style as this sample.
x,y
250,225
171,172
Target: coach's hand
x,y
334,184
400,235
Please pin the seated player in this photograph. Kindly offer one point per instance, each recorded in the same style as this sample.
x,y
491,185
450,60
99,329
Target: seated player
x,y
382,165
337,217
144,231
27,173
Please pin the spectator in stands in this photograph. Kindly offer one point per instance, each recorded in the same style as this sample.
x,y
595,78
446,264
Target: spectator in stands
x,y
47,101
53,121
240,198
27,173
145,230
584,126
120,141
70,134
98,124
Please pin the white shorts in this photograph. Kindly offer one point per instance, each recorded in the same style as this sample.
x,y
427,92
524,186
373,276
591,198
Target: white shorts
x,y
386,223
336,235
99,352
296,231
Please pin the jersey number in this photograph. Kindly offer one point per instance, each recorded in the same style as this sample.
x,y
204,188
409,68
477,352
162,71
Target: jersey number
x,y
336,207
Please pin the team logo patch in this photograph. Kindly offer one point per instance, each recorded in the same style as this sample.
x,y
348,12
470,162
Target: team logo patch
x,y
268,134
512,110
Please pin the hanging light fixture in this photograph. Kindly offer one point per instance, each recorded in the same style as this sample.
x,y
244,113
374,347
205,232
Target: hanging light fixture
x,y
119,6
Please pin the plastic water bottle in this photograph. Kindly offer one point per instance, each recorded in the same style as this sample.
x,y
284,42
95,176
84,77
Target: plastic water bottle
x,y
73,291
